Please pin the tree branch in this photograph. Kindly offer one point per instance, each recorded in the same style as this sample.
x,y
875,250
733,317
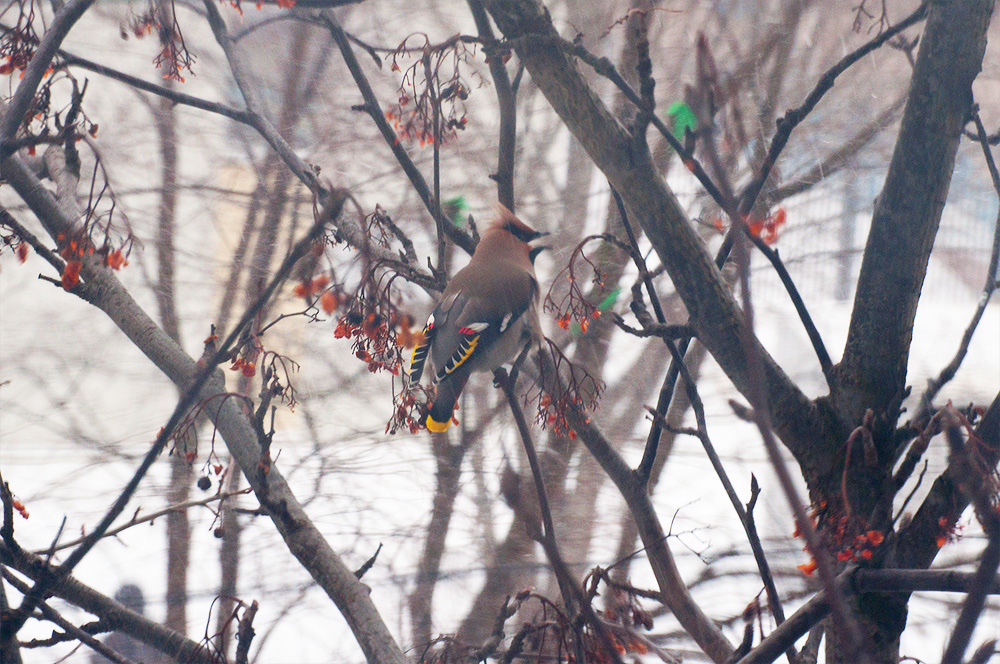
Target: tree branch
x,y
825,363
175,96
573,597
110,612
935,384
792,118
303,171
69,628
506,99
674,591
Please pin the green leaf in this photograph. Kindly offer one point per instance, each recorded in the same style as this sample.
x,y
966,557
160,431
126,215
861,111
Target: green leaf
x,y
683,117
610,299
454,208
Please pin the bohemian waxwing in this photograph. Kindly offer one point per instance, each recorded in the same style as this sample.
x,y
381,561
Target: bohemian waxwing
x,y
485,315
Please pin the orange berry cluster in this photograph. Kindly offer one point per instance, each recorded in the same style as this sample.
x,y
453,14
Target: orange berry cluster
x,y
854,546
949,532
75,249
376,339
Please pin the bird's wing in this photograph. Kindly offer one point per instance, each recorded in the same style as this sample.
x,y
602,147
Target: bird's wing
x,y
477,327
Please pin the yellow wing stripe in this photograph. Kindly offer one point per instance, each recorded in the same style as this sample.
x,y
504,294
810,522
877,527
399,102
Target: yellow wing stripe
x,y
458,359
418,357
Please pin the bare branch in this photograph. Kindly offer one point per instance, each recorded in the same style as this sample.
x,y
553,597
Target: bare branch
x,y
152,516
175,96
506,99
825,363
981,492
908,211
573,596
246,633
303,171
69,628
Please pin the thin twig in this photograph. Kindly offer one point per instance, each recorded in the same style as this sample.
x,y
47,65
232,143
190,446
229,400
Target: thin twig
x,y
773,599
906,501
110,612
6,219
506,102
173,95
744,514
839,158
916,451
825,363
303,171
992,139
136,519
977,486
645,466
655,329
572,593
606,68
432,88
245,633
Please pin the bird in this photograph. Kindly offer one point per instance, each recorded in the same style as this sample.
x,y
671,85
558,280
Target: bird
x,y
487,313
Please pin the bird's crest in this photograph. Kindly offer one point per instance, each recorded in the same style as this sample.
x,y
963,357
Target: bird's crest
x,y
506,220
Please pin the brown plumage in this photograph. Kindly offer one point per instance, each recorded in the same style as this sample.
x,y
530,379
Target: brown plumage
x,y
484,317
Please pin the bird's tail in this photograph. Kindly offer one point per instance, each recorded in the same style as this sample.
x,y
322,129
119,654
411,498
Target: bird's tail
x,y
448,391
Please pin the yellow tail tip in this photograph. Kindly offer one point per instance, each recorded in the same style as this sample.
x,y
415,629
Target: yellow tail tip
x,y
437,427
